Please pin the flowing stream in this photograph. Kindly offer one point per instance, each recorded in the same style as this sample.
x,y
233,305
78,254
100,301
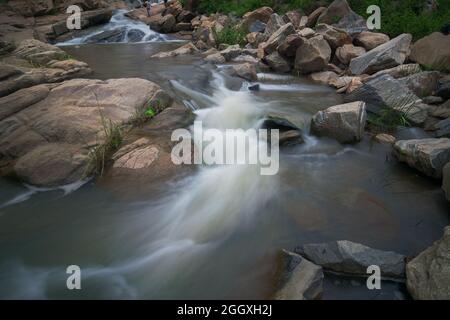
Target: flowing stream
x,y
215,232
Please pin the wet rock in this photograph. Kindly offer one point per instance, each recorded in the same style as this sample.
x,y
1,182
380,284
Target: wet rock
x,y
231,52
446,180
428,275
352,258
183,50
288,47
135,35
426,155
324,77
336,37
290,138
385,91
115,35
370,40
313,55
384,138
59,128
387,55
312,18
246,71
254,87
423,83
344,122
277,62
257,26
432,51
215,58
273,121
162,24
278,37
300,280
348,52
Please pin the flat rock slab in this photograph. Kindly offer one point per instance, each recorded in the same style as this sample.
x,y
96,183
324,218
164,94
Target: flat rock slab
x,y
429,156
353,258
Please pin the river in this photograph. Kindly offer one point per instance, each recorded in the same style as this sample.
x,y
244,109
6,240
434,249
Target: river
x,y
215,232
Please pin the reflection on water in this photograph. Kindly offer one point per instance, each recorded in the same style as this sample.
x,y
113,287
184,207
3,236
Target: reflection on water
x,y
215,233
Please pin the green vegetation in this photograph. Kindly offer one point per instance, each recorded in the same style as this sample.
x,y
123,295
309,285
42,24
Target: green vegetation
x,y
231,35
405,16
387,119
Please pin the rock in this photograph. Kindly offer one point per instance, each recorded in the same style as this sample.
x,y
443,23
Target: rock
x,y
293,17
6,47
290,137
38,52
47,142
352,258
426,155
7,71
254,87
442,111
182,26
288,47
446,180
257,26
21,99
336,37
278,37
162,24
385,91
428,275
277,62
273,121
335,11
255,38
215,58
345,122
312,18
387,55
313,55
352,23
262,14
444,90
246,71
400,71
185,16
432,100
135,35
302,23
246,58
115,35
300,279
275,23
384,138
370,40
442,128
423,83
348,52
183,50
231,52
432,51
324,77
306,33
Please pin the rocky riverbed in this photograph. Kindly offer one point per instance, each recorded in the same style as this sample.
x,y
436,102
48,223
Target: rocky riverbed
x,y
326,81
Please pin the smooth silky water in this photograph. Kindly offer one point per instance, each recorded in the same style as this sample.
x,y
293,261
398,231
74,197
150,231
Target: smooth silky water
x,y
215,232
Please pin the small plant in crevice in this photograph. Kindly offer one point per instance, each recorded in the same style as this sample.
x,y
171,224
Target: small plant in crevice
x,y
387,119
231,35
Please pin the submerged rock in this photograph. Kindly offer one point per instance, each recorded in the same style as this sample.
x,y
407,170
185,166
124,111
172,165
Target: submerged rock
x,y
115,35
428,275
300,280
353,258
387,55
344,122
428,156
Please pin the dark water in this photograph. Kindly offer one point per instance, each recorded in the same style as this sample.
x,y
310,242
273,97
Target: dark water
x,y
215,233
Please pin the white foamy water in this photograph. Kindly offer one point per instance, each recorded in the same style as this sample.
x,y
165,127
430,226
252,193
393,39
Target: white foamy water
x,y
133,31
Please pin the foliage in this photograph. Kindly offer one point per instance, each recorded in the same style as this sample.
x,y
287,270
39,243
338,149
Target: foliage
x,y
230,35
388,119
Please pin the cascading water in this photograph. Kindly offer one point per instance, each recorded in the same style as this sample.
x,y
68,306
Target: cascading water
x,y
120,29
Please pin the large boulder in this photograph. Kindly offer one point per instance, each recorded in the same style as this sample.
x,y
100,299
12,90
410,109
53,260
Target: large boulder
x,y
231,52
262,14
37,52
246,71
432,51
429,156
446,180
400,71
278,37
428,275
162,24
277,62
423,84
300,279
370,40
339,14
344,122
50,141
387,55
352,258
387,92
288,47
312,18
348,52
275,23
336,37
314,55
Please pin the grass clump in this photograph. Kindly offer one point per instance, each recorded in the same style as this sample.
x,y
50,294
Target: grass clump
x,y
387,119
231,35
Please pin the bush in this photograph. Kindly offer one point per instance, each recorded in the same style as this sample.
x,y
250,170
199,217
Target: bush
x,y
231,35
